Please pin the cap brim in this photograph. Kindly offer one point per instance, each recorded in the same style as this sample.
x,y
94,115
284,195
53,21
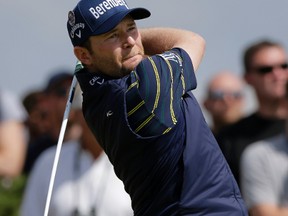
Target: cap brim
x,y
135,13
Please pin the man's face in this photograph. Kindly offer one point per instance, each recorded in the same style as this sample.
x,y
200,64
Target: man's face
x,y
225,100
117,52
57,99
40,116
269,73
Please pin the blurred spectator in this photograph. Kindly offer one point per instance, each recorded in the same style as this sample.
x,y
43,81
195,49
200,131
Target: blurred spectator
x,y
85,182
12,152
264,175
57,91
37,108
39,126
224,100
266,70
46,110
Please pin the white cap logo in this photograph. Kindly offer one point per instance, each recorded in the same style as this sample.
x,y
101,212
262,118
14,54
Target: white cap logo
x,y
71,18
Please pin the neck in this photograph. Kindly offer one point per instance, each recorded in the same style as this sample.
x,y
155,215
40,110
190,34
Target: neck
x,y
217,126
273,109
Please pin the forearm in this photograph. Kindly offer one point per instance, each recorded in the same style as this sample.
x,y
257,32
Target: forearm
x,y
12,148
158,40
155,40
268,210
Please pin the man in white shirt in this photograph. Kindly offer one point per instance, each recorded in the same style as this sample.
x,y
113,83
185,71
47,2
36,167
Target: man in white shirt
x,y
264,175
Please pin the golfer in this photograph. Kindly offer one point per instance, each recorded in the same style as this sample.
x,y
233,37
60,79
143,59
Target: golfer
x,y
137,101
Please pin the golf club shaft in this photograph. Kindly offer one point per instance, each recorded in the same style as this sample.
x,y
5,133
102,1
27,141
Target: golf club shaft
x,y
60,142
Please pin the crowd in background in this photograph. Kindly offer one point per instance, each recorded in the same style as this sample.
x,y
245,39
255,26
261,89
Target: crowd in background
x,y
254,144
257,157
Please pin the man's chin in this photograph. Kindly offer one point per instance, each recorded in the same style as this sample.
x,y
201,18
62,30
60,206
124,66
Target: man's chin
x,y
131,63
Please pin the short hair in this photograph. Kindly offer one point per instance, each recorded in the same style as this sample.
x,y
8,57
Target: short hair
x,y
87,44
251,51
31,100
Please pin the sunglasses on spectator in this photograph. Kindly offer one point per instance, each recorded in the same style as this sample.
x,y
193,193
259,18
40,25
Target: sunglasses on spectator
x,y
220,95
265,69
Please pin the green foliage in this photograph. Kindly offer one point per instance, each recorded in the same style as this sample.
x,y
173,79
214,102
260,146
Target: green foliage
x,y
11,191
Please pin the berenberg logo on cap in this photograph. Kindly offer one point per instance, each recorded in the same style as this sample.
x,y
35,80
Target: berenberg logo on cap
x,y
100,10
105,6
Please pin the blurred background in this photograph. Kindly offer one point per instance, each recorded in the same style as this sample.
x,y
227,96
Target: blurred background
x,y
34,41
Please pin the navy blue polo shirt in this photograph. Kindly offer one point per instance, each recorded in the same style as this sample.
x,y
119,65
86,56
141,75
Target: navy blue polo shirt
x,y
154,133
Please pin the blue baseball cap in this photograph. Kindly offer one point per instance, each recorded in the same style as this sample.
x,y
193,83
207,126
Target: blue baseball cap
x,y
95,17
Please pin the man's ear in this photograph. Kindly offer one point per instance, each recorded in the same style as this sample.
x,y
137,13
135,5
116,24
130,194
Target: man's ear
x,y
248,78
82,55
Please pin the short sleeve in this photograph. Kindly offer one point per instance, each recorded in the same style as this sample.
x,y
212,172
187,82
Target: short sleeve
x,y
256,184
156,89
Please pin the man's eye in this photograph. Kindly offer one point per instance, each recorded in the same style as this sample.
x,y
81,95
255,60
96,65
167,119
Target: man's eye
x,y
131,28
114,35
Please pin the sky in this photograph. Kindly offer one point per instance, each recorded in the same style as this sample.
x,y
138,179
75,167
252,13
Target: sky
x,y
35,44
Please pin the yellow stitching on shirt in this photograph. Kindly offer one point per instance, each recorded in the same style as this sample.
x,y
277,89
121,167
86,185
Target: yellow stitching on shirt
x,y
157,84
183,82
136,108
136,83
144,123
167,130
174,120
